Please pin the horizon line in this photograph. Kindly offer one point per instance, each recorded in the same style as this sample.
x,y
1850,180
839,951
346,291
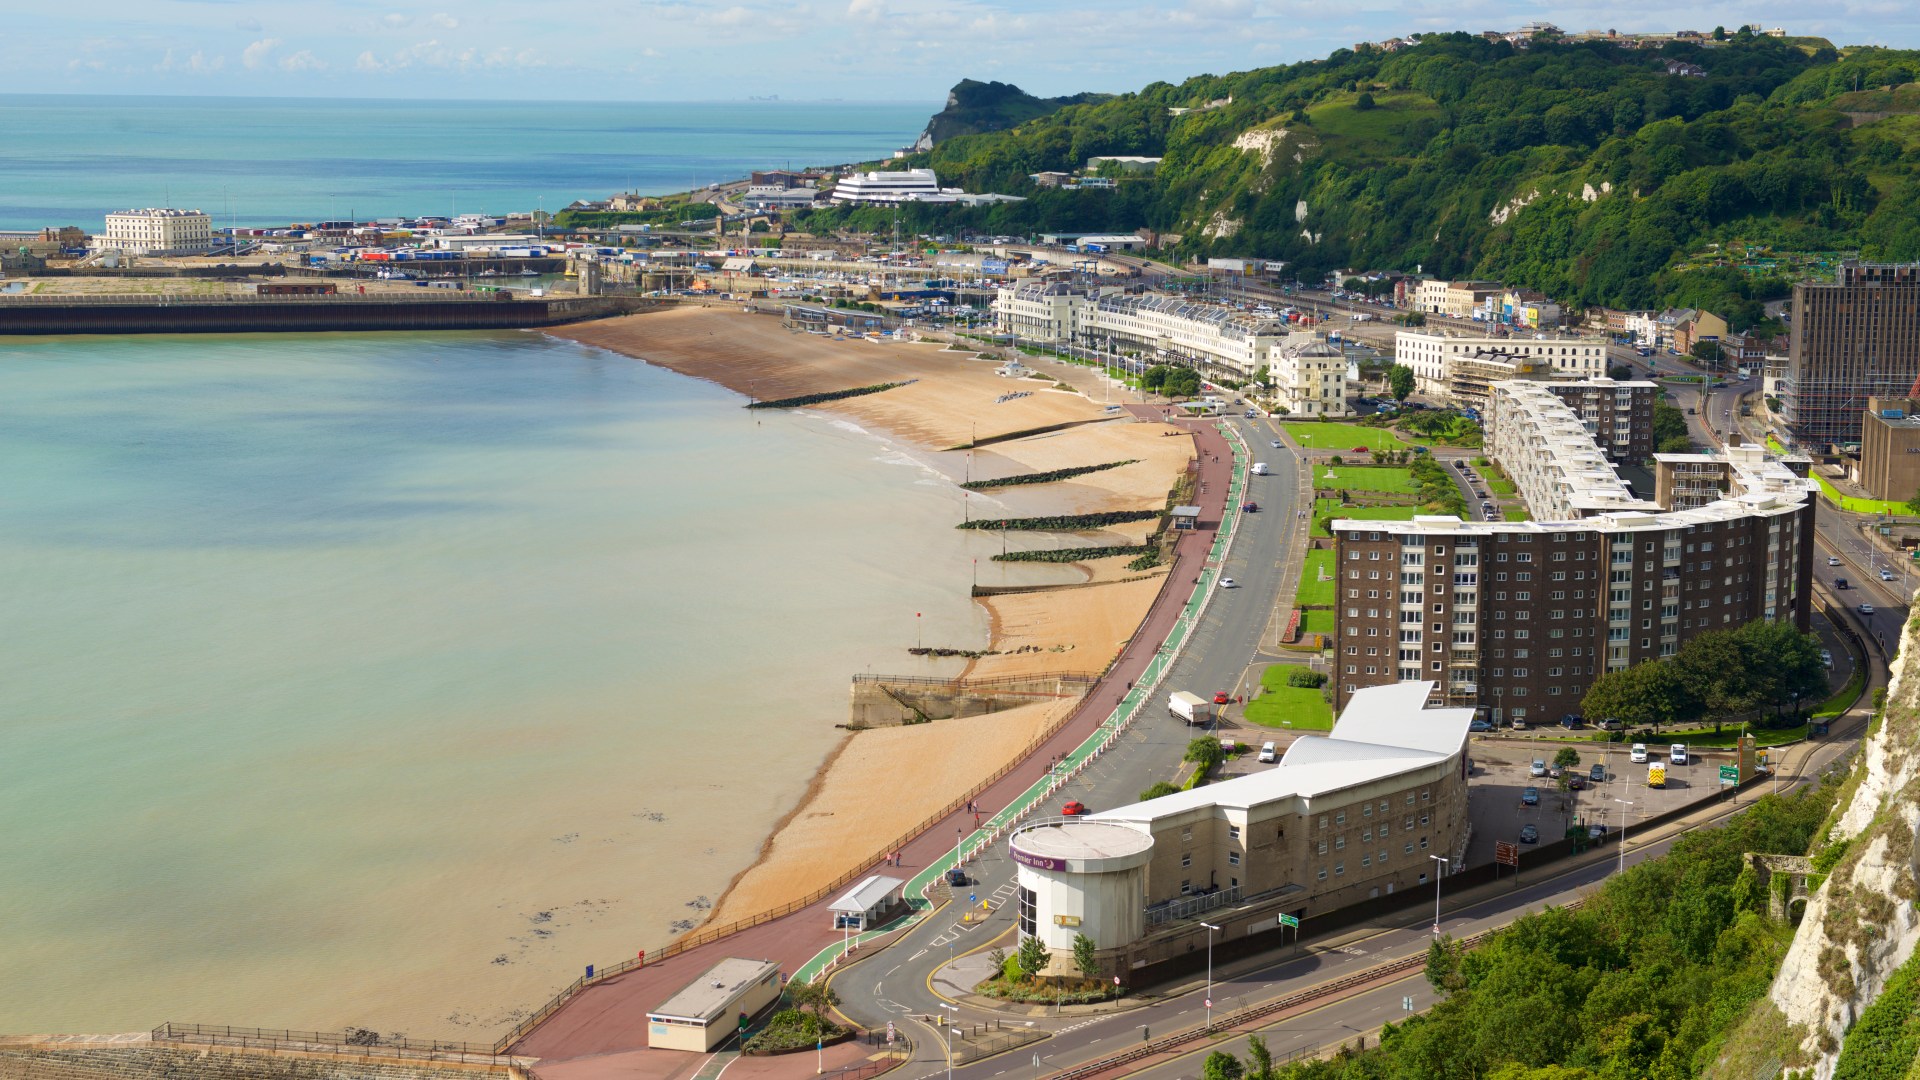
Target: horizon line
x,y
251,97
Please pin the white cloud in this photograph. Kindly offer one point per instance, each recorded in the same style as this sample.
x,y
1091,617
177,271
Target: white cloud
x,y
196,63
304,60
870,10
255,56
443,20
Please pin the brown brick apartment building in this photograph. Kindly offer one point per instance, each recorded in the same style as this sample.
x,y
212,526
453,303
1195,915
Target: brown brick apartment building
x,y
1853,338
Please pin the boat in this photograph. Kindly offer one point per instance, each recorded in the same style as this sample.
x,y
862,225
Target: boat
x,y
489,272
529,273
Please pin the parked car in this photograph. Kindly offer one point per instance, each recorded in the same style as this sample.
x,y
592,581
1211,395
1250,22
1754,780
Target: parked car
x,y
1268,753
1530,797
1519,724
1529,834
1597,774
1073,808
1250,508
1221,697
1638,755
1573,721
1576,783
1538,768
1480,725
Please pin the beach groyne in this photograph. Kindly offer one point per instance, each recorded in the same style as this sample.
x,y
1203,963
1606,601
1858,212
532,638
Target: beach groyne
x,y
889,700
164,314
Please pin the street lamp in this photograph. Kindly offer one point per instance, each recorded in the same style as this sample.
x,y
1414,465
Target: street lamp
x,y
1439,872
1623,833
950,1017
1209,998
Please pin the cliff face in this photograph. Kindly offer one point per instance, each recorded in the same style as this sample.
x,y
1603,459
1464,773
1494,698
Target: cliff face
x,y
976,107
1861,924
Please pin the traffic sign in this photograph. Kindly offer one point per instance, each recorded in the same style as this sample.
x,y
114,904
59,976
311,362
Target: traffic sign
x,y
1289,920
1729,774
1506,852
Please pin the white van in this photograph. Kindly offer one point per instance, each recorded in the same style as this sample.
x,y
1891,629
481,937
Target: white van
x,y
1268,753
1259,468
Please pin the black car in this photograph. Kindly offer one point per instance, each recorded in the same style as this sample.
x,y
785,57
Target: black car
x,y
1839,583
1529,834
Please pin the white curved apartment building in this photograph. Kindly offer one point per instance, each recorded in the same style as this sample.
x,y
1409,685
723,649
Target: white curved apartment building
x,y
905,185
156,231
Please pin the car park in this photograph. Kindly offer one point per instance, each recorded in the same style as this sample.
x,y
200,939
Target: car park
x,y
1638,755
1677,753
1598,773
1530,796
1529,834
1538,768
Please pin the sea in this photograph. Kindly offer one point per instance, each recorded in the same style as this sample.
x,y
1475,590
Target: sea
x,y
388,680
71,159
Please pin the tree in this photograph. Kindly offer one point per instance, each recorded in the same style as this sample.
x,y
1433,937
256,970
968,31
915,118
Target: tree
x,y
1707,352
1444,956
1205,752
1363,102
1221,1065
1262,375
1033,956
1159,788
1400,381
1260,1058
1083,958
816,995
1567,758
1913,503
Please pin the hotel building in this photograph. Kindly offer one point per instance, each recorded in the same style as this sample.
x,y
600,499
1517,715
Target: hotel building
x,y
155,231
1434,357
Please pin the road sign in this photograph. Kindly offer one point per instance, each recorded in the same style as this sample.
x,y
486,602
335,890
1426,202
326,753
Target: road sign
x,y
1209,1002
1289,920
1506,852
1729,774
1406,1003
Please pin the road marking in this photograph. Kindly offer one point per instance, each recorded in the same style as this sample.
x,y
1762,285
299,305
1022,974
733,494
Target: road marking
x,y
916,956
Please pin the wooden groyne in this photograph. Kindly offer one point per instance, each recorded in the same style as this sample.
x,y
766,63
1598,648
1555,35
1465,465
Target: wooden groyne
x,y
162,314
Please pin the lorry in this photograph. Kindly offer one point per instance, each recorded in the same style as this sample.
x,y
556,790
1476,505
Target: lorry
x,y
1657,774
1192,708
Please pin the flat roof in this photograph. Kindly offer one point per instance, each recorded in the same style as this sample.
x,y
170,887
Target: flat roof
x,y
1185,511
868,894
1084,840
714,993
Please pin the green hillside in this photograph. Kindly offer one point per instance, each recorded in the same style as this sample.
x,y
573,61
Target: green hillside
x,y
1586,170
976,107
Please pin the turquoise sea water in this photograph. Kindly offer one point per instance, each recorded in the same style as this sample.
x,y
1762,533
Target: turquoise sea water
x,y
387,680
69,159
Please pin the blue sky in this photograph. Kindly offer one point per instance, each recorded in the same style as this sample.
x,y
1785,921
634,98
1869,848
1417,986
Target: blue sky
x,y
869,50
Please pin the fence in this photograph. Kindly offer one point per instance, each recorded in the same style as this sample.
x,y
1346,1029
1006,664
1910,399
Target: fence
x,y
1102,737
363,1042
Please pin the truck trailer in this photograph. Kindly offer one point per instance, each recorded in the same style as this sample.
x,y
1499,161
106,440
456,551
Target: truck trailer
x,y
1192,708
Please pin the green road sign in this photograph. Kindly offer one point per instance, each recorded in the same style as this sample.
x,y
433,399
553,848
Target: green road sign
x,y
1288,920
1729,774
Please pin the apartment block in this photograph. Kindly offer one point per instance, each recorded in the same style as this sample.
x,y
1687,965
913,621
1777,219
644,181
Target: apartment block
x,y
1435,357
1309,376
1617,414
1853,338
1551,453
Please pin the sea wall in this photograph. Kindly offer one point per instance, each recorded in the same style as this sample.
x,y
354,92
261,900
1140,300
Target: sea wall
x,y
174,315
890,700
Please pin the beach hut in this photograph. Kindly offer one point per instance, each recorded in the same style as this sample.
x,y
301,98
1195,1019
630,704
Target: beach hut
x,y
868,904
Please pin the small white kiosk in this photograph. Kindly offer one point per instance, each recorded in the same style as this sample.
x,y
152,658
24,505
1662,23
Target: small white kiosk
x,y
706,1012
868,904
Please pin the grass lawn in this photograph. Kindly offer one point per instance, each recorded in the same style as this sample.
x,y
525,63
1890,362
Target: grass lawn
x,y
1325,507
1365,478
1329,436
1861,506
1297,708
1316,622
1518,513
1312,590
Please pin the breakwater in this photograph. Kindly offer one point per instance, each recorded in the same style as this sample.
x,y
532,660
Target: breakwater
x,y
161,314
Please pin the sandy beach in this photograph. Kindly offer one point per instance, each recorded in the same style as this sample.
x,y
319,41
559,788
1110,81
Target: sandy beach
x,y
876,784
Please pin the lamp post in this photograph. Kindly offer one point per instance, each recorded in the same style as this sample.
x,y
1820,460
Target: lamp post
x,y
1438,873
948,1018
1209,998
1623,833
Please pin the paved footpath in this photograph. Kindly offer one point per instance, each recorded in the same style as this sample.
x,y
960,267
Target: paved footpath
x,y
607,1021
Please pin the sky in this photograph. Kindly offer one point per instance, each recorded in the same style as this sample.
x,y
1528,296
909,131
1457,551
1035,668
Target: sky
x,y
803,50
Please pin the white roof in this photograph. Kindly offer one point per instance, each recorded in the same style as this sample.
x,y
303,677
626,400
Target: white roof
x,y
714,993
868,894
1385,731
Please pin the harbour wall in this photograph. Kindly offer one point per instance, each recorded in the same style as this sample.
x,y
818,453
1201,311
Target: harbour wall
x,y
29,315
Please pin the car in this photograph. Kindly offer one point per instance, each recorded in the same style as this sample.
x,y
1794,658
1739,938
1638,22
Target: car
x,y
1478,494
1461,464
1518,724
1530,796
1886,575
1677,753
1840,583
1268,753
1359,449
1597,774
1480,725
1866,609
1826,657
1638,755
1576,783
957,877
1228,583
1250,508
1276,444
1833,560
1221,697
1073,808
1529,834
1554,771
1573,721
1538,768
1596,831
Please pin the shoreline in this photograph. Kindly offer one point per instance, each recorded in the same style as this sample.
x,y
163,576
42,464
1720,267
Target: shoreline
x,y
1070,624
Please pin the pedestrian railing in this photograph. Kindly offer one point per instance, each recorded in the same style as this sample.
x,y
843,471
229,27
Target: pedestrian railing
x,y
359,1041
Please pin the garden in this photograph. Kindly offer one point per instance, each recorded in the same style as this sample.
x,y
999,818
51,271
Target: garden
x,y
1365,478
1337,437
1313,591
1291,697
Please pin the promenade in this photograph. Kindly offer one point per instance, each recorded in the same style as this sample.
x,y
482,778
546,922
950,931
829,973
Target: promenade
x,y
601,1031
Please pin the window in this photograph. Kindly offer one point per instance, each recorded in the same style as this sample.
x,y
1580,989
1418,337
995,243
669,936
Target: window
x,y
1339,843
1323,874
1339,868
1338,819
1323,848
1323,821
1186,859
1366,810
1408,849
1233,832
1423,843
1367,836
1233,858
1366,860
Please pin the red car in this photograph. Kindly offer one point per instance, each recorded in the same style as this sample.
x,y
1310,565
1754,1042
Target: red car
x,y
1221,697
1073,808
1360,450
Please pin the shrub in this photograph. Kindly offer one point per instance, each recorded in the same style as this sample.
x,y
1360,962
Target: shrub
x,y
1306,677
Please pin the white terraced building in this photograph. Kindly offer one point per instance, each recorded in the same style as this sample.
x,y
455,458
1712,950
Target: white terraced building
x,y
1432,355
1550,454
156,231
1205,335
905,185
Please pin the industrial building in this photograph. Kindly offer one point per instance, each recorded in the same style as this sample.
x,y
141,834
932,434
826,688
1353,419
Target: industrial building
x,y
1357,814
1853,338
